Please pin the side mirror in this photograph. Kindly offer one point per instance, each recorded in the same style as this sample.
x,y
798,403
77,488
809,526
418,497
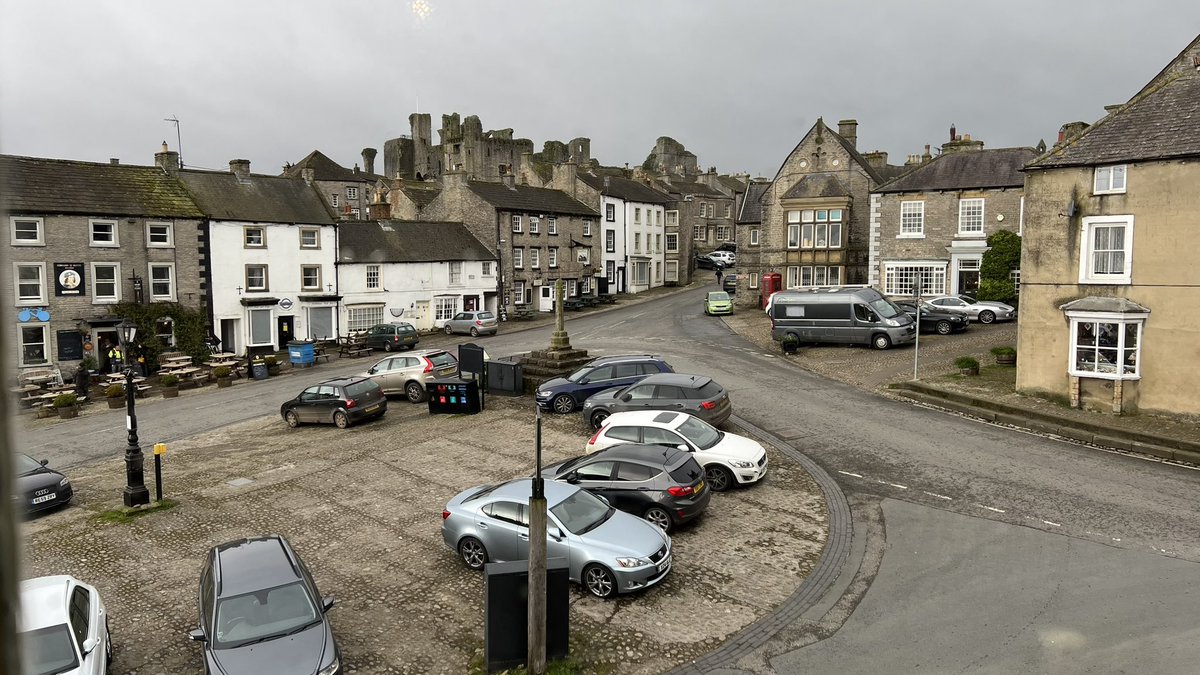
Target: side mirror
x,y
684,447
571,477
371,371
197,635
90,644
327,603
554,533
626,398
43,462
602,498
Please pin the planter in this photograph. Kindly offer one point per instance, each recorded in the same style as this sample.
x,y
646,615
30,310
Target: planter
x,y
67,412
171,392
1006,360
116,403
44,412
223,382
970,371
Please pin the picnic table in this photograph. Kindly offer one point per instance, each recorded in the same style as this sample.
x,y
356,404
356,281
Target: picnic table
x,y
522,314
574,304
608,298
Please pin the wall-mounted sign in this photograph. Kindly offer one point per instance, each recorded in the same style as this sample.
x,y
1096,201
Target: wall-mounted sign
x,y
68,279
70,345
285,303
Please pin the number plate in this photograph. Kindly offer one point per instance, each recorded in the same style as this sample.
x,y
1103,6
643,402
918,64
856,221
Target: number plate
x,y
666,562
45,498
372,408
699,488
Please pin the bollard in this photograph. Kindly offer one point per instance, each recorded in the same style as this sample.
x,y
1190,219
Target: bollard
x,y
160,449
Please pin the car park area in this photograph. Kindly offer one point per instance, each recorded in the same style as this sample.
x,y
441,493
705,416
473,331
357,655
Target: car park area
x,y
362,506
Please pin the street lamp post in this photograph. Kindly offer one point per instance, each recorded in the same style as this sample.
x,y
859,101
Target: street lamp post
x,y
135,493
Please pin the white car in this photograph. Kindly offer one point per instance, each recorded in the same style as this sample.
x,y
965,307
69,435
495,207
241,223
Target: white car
x,y
727,258
728,459
63,627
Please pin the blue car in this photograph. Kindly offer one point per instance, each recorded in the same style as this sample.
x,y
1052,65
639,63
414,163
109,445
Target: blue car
x,y
566,394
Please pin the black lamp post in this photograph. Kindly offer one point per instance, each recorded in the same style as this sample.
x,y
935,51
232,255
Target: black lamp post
x,y
135,493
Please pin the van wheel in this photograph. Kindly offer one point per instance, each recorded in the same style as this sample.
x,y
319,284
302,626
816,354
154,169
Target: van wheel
x,y
943,328
415,392
881,341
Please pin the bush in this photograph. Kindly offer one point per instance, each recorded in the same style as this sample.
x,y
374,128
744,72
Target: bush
x,y
1003,351
1002,257
115,391
966,363
65,400
271,361
1000,290
89,362
169,380
221,371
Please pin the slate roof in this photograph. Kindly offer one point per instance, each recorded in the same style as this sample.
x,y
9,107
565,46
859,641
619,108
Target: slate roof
x,y
325,168
528,198
256,198
421,194
625,188
1104,304
817,185
965,170
751,211
407,241
1162,123
732,183
36,185
683,187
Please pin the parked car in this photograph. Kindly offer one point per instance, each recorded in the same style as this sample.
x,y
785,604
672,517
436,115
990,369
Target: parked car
x,y
38,486
706,263
566,394
663,484
63,627
728,246
729,284
341,401
409,373
717,302
260,612
851,315
983,311
696,394
392,336
474,323
728,459
935,319
608,551
727,258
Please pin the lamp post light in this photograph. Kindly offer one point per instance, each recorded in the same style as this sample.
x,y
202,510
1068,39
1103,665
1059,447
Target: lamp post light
x,y
135,493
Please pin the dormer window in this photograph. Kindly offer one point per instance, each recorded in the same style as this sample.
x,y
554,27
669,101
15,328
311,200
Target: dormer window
x,y
1109,180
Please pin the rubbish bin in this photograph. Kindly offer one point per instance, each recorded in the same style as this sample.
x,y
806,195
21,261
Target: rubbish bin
x,y
506,374
300,353
452,396
505,627
258,369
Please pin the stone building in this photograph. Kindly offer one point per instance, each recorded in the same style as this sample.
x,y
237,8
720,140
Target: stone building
x,y
84,236
748,230
1109,288
930,226
348,192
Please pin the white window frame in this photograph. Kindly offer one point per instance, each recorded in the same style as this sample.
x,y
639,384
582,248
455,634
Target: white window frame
x,y
572,288
587,227
40,240
362,318
43,292
724,232
150,281
518,292
610,212
610,241
262,236
754,236
535,224
1109,180
151,225
333,200
45,328
316,235
672,242
516,224
445,307
969,223
729,210
98,299
310,287
672,272
912,220
375,284
637,242
1086,252
672,219
657,243
485,268
116,233
711,208
754,280
552,256
1123,321
898,277
456,273
637,215
251,312
610,271
699,233
793,229
551,225
518,258
702,209
266,278
351,193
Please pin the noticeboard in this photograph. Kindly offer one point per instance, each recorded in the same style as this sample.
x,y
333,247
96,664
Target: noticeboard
x,y
70,345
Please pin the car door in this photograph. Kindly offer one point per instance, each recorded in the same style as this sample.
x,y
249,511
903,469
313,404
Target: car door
x,y
665,437
595,476
631,489
309,400
499,525
79,615
599,379
328,400
625,374
641,397
666,397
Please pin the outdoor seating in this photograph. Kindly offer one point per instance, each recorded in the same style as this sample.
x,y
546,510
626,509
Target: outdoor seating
x,y
574,305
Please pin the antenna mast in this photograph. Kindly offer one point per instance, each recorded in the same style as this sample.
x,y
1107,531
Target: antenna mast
x,y
178,138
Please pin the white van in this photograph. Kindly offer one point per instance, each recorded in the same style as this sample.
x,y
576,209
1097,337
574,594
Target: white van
x,y
840,316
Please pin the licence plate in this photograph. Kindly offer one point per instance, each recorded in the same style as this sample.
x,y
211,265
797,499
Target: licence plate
x,y
45,498
662,566
699,487
372,408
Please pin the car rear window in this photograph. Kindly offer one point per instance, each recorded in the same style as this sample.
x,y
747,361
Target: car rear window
x,y
361,388
709,390
486,315
687,473
443,359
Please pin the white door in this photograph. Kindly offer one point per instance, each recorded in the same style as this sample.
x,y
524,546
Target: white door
x,y
547,299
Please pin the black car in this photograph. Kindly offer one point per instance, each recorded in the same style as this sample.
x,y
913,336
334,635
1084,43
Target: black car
x,y
260,612
706,263
40,487
566,394
729,284
341,401
935,320
660,483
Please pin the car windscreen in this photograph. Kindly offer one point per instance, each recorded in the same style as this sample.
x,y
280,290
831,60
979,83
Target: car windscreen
x,y
968,299
581,512
26,464
687,473
48,650
884,308
262,615
580,374
361,388
702,434
718,297
442,360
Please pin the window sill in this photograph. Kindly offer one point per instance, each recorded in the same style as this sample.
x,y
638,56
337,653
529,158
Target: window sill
x,y
1109,192
168,246
32,303
1091,374
1114,281
106,301
971,235
103,245
28,243
910,236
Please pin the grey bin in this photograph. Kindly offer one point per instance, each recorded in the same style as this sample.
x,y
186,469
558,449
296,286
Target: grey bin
x,y
505,375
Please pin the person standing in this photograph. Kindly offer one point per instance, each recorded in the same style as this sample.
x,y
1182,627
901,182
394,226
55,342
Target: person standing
x,y
115,358
718,274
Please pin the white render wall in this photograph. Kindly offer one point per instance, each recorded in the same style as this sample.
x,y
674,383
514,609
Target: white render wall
x,y
618,255
647,228
413,287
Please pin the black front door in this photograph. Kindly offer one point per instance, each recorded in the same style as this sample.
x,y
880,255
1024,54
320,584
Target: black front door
x,y
286,329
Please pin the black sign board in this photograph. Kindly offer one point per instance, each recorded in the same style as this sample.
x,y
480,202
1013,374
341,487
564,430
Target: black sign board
x,y
69,279
70,345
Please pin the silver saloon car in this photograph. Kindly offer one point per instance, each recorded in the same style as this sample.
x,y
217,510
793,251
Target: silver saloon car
x,y
608,551
472,323
983,311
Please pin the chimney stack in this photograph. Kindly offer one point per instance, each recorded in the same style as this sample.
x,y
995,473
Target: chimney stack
x,y
877,159
1110,109
166,159
309,174
953,134
114,160
848,129
239,167
368,156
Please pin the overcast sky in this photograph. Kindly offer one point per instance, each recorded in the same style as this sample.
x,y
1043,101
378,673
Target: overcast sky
x,y
738,83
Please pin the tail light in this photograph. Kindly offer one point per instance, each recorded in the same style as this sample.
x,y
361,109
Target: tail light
x,y
708,405
445,515
350,403
681,491
395,338
428,367
478,322
592,440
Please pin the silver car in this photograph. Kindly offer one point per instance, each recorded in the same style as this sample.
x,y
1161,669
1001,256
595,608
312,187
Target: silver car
x,y
408,374
983,311
696,394
475,323
608,551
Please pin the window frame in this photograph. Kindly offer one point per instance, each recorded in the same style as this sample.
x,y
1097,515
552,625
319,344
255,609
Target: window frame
x,y
754,236
672,242
251,312
931,275
455,273
535,224
516,224
1137,319
672,270
1110,172
754,280
1086,252
378,284
552,256
535,258
610,212
964,205
266,278
551,225
115,298
40,240
518,257
262,236
150,225
587,227
150,267
43,290
361,318
912,223
610,241
45,328
308,287
351,192
316,234
116,233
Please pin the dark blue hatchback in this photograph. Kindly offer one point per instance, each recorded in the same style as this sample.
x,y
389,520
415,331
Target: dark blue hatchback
x,y
566,394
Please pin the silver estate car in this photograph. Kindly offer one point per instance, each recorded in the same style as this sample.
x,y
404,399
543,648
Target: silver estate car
x,y
608,551
474,323
409,373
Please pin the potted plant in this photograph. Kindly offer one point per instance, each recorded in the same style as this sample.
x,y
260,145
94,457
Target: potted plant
x,y
967,365
790,343
88,366
1005,356
222,373
115,393
66,406
272,365
170,385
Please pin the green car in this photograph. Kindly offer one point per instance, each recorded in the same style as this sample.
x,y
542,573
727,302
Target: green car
x,y
718,302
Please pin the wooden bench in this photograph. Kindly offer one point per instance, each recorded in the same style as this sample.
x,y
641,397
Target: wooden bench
x,y
142,389
608,298
321,355
573,305
522,314
355,352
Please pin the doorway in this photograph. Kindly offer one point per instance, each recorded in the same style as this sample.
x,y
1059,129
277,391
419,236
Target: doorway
x,y
229,336
470,303
968,276
547,298
286,325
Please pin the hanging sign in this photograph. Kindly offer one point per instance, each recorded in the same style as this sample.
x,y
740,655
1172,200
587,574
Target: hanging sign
x,y
68,279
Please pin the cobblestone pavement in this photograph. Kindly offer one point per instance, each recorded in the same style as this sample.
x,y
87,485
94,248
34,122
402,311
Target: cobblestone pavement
x,y
362,506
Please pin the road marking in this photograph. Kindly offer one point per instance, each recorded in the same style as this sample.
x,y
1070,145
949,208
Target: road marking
x,y
991,508
895,485
847,473
934,494
1052,523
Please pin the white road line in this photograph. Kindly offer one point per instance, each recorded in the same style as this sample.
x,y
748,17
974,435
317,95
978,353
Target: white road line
x,y
847,473
991,508
934,494
895,485
1052,523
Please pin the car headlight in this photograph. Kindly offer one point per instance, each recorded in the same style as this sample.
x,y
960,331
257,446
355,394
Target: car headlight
x,y
331,669
588,404
64,482
632,562
891,322
542,394
742,464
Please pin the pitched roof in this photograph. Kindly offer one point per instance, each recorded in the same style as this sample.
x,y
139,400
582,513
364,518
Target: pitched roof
x,y
325,168
268,199
817,185
528,198
422,193
406,241
734,184
965,170
624,188
1162,123
751,211
38,185
1185,61
683,187
853,152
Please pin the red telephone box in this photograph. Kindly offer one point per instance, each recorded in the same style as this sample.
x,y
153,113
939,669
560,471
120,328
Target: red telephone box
x,y
771,282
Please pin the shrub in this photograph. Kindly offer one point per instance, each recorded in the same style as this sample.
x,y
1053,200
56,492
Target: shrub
x,y
169,380
65,400
1003,351
1002,257
271,361
114,391
221,371
999,290
89,362
966,362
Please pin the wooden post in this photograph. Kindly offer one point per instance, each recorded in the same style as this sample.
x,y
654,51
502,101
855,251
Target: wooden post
x,y
535,660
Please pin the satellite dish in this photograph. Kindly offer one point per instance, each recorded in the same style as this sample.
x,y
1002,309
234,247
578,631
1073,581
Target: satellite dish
x,y
396,311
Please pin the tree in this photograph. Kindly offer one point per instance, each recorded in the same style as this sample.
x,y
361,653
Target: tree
x,y
1003,256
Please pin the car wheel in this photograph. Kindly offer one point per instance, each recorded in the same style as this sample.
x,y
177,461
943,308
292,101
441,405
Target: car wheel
x,y
341,419
415,392
944,328
599,581
658,517
473,553
449,331
474,331
387,347
292,419
719,478
987,316
881,341
563,404
107,644
598,418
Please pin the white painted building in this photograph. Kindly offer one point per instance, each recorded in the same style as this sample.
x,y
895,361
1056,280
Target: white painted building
x,y
633,232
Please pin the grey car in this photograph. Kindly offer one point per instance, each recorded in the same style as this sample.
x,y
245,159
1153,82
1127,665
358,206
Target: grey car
x,y
696,394
608,551
391,337
473,323
983,311
408,374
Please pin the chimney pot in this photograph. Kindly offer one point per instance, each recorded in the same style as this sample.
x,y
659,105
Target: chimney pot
x,y
953,133
114,160
368,156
